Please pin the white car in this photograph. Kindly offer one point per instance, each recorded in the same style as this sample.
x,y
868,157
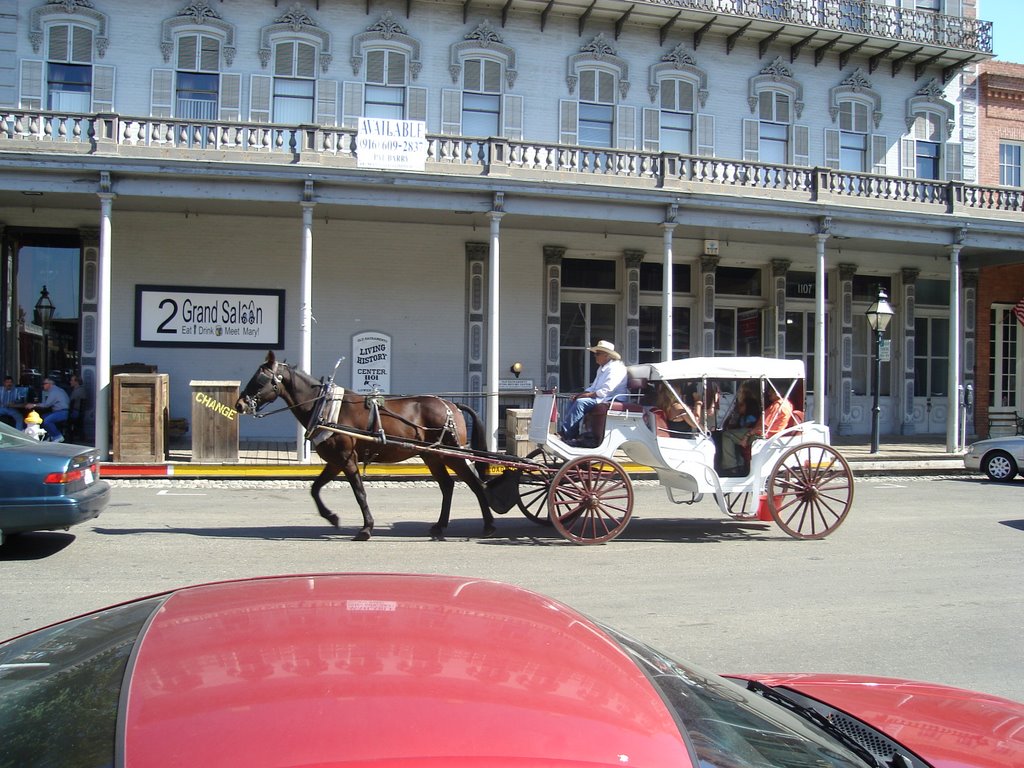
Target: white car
x,y
999,457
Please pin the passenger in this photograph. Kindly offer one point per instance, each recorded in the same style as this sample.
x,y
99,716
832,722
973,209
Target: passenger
x,y
776,418
681,421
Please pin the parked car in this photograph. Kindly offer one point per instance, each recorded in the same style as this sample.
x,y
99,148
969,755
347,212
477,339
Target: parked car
x,y
45,486
426,671
1001,458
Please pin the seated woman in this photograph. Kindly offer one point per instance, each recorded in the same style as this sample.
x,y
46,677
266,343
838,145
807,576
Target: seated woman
x,y
681,420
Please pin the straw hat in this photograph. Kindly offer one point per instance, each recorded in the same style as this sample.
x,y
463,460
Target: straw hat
x,y
607,347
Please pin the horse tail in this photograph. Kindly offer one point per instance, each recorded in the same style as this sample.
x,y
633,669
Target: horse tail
x,y
477,438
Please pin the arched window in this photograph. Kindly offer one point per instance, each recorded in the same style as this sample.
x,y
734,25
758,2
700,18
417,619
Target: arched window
x,y
926,151
856,110
484,66
777,101
389,59
679,88
595,119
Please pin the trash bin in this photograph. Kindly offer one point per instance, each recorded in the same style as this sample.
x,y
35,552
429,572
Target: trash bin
x,y
214,421
140,413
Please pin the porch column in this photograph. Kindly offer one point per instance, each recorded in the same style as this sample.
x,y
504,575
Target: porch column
x,y
845,362
970,330
953,419
306,308
631,347
667,310
907,342
553,255
708,265
103,392
493,314
820,347
777,303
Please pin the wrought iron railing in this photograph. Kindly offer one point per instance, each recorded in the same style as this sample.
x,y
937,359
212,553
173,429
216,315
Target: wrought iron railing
x,y
114,135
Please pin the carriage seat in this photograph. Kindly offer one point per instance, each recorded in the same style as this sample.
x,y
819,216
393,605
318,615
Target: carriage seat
x,y
639,396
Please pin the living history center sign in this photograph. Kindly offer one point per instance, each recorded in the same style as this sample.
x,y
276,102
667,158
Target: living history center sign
x,y
399,145
371,362
185,316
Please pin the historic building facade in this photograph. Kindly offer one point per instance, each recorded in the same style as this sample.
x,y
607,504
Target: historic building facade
x,y
482,183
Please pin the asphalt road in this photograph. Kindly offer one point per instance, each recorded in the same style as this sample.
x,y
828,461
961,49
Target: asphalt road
x,y
924,580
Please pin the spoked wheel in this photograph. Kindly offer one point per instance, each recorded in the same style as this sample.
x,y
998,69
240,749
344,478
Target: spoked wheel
x,y
535,484
741,506
591,500
810,491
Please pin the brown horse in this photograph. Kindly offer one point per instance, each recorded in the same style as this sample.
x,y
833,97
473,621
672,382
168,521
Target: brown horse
x,y
430,420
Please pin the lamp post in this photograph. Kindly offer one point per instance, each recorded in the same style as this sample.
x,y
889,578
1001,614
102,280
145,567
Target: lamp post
x,y
44,314
879,314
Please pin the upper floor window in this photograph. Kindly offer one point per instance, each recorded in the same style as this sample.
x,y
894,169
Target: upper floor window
x,y
928,5
389,59
1009,164
774,115
596,108
677,108
926,150
385,84
927,135
598,76
197,78
294,82
776,100
481,97
69,68
484,67
853,135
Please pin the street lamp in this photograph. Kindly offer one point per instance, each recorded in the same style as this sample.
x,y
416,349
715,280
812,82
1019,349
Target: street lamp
x,y
44,314
879,314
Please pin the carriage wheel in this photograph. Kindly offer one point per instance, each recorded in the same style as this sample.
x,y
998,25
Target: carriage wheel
x,y
534,486
810,491
740,506
591,500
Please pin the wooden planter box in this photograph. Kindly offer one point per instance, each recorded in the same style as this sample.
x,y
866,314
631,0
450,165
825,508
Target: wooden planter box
x,y
140,411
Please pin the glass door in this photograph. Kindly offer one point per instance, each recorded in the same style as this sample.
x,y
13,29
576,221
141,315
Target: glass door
x,y
584,323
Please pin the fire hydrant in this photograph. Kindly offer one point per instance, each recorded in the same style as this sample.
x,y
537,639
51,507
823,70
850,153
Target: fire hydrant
x,y
34,426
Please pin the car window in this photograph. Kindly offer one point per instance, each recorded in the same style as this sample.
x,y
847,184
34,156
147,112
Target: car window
x,y
729,727
59,688
11,437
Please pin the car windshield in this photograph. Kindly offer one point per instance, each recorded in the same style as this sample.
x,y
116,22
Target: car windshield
x,y
59,688
12,438
730,727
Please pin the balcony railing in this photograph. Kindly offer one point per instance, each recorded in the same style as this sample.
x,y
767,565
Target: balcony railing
x,y
454,156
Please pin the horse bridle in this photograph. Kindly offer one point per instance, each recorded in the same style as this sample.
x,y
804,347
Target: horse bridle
x,y
264,377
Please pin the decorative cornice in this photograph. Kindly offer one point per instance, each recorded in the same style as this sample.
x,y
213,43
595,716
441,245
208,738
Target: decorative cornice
x,y
197,13
482,38
855,84
678,60
776,73
930,95
81,9
600,50
386,28
295,21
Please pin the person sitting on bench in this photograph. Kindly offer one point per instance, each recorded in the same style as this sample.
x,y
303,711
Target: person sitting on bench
x,y
776,418
609,381
55,401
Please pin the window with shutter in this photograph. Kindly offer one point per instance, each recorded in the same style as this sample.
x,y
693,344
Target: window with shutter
x,y
481,98
294,82
384,96
596,108
676,115
69,72
854,118
774,115
197,92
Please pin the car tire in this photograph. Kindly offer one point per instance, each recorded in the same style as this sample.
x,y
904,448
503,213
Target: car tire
x,y
999,466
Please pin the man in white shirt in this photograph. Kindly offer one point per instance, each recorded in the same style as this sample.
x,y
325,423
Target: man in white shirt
x,y
609,382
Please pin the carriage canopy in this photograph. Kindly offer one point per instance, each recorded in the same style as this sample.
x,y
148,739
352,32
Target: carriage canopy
x,y
725,368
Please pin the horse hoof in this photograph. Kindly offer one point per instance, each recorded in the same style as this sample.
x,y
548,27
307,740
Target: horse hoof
x,y
490,531
333,520
363,535
436,533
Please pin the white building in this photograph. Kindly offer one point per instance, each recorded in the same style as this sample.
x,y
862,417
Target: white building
x,y
787,158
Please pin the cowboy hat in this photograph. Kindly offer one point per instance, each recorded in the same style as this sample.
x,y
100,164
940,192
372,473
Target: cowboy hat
x,y
607,347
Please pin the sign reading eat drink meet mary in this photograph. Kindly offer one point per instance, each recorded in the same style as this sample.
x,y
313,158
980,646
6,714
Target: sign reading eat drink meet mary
x,y
371,362
186,316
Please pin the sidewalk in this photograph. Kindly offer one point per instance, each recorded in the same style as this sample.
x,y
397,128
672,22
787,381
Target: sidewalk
x,y
270,460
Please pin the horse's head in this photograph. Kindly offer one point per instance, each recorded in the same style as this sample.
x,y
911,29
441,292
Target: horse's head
x,y
263,388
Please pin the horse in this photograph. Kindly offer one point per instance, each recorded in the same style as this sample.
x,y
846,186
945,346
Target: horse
x,y
426,419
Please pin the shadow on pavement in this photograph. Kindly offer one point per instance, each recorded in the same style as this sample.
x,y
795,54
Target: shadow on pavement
x,y
36,545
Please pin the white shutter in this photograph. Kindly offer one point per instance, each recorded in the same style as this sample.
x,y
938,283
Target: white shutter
x,y
568,122
652,130
879,150
260,90
326,102
31,96
230,97
751,140
416,103
512,117
800,141
706,135
832,148
954,161
451,112
161,93
351,104
102,88
625,128
908,157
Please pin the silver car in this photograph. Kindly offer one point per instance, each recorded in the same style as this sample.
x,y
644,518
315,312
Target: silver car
x,y
999,457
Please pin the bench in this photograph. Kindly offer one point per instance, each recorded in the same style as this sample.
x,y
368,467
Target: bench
x,y
639,397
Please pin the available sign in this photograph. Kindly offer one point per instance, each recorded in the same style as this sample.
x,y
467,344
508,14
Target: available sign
x,y
185,316
391,144
371,362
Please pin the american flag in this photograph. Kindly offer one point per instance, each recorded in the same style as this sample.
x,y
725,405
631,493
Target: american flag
x,y
1018,310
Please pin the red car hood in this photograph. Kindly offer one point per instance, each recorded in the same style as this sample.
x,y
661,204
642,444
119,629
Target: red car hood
x,y
948,727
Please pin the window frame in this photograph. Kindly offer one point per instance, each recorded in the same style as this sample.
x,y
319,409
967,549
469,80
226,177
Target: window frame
x,y
1010,170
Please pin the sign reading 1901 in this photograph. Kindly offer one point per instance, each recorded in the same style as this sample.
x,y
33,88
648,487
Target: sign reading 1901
x,y
184,316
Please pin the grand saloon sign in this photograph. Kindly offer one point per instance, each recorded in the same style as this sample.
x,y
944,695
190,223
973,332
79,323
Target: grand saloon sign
x,y
185,316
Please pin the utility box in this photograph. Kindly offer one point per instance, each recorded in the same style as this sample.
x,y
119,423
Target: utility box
x,y
140,413
214,421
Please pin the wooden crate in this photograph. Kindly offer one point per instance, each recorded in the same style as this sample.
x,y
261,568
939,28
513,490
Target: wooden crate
x,y
214,421
140,414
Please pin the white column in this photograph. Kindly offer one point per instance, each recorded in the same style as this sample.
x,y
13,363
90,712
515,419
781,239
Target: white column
x,y
103,296
491,389
819,327
305,315
953,387
666,291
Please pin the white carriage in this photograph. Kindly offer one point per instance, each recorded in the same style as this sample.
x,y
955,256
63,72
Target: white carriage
x,y
792,475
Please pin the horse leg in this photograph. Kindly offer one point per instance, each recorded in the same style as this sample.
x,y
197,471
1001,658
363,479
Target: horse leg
x,y
465,472
351,470
330,471
447,485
